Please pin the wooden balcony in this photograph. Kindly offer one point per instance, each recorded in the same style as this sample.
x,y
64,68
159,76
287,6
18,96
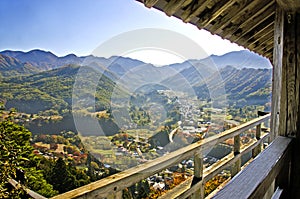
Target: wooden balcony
x,y
112,186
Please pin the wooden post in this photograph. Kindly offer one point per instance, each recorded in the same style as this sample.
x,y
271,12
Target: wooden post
x,y
286,81
257,149
198,176
236,167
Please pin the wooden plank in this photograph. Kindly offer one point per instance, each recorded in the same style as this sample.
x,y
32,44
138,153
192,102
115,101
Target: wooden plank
x,y
242,19
277,193
263,39
198,176
277,121
260,20
120,181
150,3
236,167
174,5
244,38
230,159
193,10
260,173
237,9
216,11
257,149
259,33
183,190
289,5
296,164
289,61
31,193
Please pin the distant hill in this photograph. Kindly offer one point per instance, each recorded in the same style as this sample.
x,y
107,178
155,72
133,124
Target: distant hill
x,y
239,59
50,78
247,86
10,66
44,60
51,90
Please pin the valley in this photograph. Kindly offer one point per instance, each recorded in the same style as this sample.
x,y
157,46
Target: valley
x,y
105,115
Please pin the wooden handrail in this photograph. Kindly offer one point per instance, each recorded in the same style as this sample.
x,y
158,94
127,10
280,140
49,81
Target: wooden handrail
x,y
29,192
114,184
258,176
183,190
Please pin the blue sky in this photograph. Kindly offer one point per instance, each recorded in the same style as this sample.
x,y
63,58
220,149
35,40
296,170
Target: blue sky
x,y
68,26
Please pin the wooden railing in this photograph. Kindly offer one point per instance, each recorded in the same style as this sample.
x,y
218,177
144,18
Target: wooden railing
x,y
259,180
30,193
112,186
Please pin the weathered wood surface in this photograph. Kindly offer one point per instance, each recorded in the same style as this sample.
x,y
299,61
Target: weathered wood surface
x,y
239,21
289,5
198,176
289,64
184,190
260,173
119,181
248,17
150,3
30,193
277,193
231,15
257,149
250,26
292,60
215,12
278,79
236,167
174,5
194,9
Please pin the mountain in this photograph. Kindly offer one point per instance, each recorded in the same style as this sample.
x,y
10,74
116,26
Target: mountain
x,y
10,66
246,76
47,61
238,59
42,59
242,86
241,59
190,74
53,90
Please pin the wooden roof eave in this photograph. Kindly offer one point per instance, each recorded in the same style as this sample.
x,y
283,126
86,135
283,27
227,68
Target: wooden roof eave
x,y
248,23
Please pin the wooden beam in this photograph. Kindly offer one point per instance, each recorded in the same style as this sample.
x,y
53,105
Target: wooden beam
x,y
289,5
236,9
261,29
278,78
257,149
236,167
243,17
259,21
29,192
198,176
150,3
194,9
267,37
183,189
216,11
257,177
289,60
292,60
174,5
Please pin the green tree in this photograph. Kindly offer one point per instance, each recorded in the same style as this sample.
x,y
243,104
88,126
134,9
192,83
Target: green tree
x,y
15,156
61,179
